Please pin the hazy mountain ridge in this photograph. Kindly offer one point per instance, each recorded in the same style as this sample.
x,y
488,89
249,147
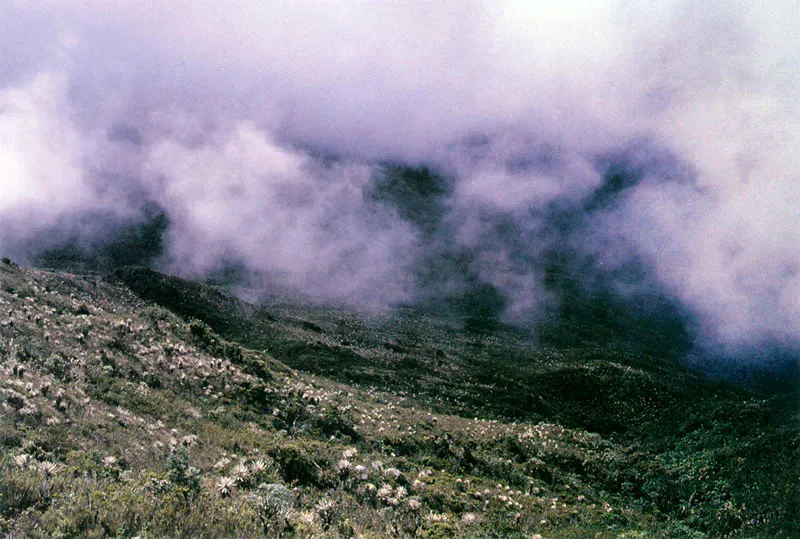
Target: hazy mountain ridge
x,y
481,433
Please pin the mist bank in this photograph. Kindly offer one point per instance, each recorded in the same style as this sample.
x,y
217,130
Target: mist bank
x,y
501,163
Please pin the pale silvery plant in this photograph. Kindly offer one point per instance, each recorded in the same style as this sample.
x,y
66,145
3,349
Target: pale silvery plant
x,y
241,473
225,486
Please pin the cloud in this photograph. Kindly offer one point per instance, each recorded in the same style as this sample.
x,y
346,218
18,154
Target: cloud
x,y
261,128
40,157
243,199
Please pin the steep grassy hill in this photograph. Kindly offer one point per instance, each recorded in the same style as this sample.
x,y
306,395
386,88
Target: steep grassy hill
x,y
144,405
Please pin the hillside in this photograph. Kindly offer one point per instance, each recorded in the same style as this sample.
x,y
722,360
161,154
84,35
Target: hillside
x,y
140,404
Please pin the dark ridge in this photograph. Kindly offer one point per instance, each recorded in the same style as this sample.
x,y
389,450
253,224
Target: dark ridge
x,y
396,354
626,168
417,194
226,314
117,245
589,313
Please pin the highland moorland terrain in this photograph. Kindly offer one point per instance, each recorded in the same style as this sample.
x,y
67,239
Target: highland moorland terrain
x,y
142,405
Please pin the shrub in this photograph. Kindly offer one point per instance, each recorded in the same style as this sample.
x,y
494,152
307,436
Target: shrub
x,y
186,478
274,505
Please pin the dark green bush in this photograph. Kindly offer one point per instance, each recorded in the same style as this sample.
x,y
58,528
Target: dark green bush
x,y
186,478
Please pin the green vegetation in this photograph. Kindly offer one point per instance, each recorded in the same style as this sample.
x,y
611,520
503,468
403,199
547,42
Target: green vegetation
x,y
121,245
144,405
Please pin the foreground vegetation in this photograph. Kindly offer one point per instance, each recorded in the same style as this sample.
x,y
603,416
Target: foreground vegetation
x,y
143,405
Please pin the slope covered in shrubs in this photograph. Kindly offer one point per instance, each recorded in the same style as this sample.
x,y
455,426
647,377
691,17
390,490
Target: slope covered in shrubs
x,y
144,405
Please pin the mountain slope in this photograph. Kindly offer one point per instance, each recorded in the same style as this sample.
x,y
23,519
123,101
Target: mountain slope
x,y
142,404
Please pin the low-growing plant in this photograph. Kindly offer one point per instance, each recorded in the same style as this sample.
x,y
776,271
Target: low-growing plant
x,y
274,504
186,479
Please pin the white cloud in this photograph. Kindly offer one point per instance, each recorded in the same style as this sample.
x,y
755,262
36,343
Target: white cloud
x,y
227,102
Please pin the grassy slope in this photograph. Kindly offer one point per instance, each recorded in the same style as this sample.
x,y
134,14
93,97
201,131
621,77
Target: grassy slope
x,y
122,417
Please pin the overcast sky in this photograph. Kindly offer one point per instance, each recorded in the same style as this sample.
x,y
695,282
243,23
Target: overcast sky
x,y
219,113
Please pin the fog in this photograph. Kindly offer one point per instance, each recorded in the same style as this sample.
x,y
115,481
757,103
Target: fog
x,y
643,148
